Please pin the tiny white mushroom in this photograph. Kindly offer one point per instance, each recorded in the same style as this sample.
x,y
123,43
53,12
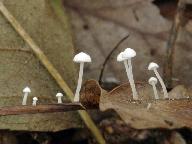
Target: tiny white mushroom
x,y
35,99
26,92
128,54
80,58
153,81
59,97
153,66
120,59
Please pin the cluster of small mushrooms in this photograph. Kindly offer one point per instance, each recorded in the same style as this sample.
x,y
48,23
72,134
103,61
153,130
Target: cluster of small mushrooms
x,y
124,57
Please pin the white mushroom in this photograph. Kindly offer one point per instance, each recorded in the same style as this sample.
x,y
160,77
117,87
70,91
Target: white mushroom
x,y
80,58
35,99
153,81
26,92
128,54
153,66
120,59
59,96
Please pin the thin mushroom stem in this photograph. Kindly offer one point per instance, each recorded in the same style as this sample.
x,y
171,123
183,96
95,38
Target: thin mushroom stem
x,y
126,67
131,81
24,102
76,98
155,91
34,103
162,84
59,100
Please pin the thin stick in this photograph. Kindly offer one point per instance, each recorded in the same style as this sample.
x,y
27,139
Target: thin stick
x,y
131,80
108,57
24,102
155,91
49,108
168,66
52,70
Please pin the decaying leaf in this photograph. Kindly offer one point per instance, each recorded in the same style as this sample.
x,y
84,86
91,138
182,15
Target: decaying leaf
x,y
90,93
146,112
179,92
20,67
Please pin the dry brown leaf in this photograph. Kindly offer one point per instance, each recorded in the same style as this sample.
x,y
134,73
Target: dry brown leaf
x,y
147,113
144,113
90,93
179,92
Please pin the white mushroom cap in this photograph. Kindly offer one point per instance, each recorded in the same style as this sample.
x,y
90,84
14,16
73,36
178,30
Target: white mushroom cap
x,y
26,90
152,80
35,98
120,57
129,53
59,95
82,57
153,66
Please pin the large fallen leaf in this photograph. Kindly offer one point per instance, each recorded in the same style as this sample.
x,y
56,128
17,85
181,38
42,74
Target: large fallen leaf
x,y
20,67
146,112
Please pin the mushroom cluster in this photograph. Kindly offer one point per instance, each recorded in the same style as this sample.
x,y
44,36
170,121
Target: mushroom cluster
x,y
153,66
125,57
26,92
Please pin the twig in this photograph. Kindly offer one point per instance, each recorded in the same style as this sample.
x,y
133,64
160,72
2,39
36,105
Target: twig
x,y
49,108
51,69
171,44
108,57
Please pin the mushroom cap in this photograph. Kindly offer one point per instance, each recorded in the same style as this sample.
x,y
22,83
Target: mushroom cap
x,y
35,98
152,80
129,53
82,57
120,57
59,94
26,90
153,66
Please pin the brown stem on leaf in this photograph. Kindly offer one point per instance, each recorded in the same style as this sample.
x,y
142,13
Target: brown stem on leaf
x,y
171,44
49,108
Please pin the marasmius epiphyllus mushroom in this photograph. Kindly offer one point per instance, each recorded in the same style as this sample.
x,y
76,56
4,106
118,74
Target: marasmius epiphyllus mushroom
x,y
120,59
59,97
26,92
153,66
80,58
35,99
153,81
128,54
